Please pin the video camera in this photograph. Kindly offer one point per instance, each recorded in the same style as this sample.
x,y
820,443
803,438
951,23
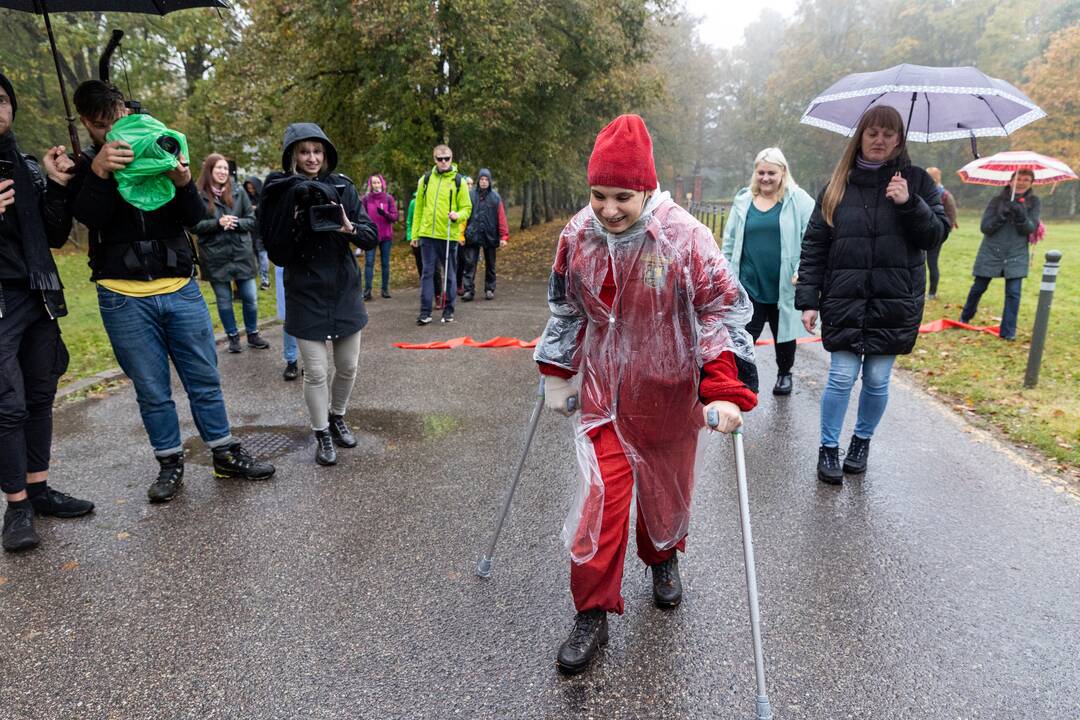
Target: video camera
x,y
316,212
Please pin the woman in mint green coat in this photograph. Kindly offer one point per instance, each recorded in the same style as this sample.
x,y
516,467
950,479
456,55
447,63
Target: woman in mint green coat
x,y
763,241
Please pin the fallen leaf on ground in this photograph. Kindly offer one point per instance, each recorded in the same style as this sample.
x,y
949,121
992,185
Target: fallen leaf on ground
x,y
69,565
3,580
123,535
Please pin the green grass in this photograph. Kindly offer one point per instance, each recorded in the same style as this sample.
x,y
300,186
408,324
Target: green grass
x,y
982,376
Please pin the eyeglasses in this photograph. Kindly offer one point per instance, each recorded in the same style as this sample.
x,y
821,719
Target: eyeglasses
x,y
443,159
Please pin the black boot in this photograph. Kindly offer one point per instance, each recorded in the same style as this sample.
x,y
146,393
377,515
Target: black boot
x,y
828,465
385,292
19,533
234,344
53,502
783,384
325,454
666,584
291,371
857,454
590,633
256,341
367,294
169,480
341,433
233,461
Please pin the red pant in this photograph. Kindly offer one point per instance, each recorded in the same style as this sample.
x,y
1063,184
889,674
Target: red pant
x,y
598,583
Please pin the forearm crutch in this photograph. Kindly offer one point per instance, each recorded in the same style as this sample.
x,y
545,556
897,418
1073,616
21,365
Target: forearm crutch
x,y
483,568
764,710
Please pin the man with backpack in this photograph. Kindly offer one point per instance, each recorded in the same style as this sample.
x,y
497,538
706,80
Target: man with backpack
x,y
442,209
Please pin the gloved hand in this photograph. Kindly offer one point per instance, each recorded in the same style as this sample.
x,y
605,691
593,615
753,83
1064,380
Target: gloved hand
x,y
556,394
728,414
382,211
1019,212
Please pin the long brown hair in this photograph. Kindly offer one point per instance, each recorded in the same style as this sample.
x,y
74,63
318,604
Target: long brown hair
x,y
881,116
205,182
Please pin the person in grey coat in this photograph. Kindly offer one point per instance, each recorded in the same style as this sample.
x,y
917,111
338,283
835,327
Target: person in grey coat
x,y
1009,219
226,253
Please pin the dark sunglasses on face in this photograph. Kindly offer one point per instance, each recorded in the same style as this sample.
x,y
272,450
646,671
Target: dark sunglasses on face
x,y
443,159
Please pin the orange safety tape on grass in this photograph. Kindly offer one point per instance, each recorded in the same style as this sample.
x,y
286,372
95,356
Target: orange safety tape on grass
x,y
930,327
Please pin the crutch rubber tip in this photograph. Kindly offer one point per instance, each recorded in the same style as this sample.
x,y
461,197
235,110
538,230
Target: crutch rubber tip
x,y
764,710
483,568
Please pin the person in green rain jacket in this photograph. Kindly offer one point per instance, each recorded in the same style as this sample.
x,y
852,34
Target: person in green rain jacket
x,y
442,209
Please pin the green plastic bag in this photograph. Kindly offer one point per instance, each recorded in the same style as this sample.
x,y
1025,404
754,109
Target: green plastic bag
x,y
143,183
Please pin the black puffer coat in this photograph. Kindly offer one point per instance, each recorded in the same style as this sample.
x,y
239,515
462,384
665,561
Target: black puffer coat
x,y
865,274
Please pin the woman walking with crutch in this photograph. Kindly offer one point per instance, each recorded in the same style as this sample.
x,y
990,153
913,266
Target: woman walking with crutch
x,y
646,309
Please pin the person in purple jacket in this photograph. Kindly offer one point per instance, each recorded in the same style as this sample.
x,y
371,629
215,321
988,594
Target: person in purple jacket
x,y
382,209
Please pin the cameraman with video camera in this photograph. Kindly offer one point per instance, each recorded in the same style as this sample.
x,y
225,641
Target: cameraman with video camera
x,y
33,218
308,218
150,303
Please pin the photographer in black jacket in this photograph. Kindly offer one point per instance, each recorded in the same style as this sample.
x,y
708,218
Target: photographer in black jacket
x,y
308,219
150,303
33,218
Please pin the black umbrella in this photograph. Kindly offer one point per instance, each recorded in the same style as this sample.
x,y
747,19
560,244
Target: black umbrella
x,y
145,7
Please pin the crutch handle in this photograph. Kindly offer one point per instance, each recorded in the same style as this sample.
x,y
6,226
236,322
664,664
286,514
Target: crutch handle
x,y
713,418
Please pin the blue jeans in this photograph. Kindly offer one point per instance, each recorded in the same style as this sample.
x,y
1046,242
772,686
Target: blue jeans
x,y
145,333
876,370
369,265
433,253
289,351
264,267
248,300
1009,313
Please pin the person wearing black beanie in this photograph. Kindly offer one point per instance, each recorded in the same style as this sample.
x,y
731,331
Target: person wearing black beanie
x,y
33,218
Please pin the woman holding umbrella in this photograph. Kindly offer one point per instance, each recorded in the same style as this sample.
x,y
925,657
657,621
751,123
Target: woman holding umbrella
x,y
861,270
762,239
1011,216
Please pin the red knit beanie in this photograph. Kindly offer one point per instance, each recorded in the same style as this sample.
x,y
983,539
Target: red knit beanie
x,y
622,156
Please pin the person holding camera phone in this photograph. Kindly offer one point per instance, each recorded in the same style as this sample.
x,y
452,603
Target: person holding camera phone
x,y
150,302
33,218
309,218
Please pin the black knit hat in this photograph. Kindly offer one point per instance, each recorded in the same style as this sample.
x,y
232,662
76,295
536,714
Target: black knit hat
x,y
6,84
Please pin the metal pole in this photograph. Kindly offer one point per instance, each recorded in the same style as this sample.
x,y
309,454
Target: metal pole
x,y
73,134
1042,318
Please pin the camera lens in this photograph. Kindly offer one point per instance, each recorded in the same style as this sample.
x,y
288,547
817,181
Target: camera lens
x,y
169,144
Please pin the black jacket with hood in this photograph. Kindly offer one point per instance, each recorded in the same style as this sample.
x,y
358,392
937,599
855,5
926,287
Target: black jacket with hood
x,y
256,185
483,226
323,295
865,274
38,220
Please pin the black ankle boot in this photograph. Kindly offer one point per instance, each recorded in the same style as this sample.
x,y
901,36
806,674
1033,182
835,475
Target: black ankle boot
x,y
783,384
233,461
169,480
828,465
19,533
666,583
857,455
325,454
341,433
590,633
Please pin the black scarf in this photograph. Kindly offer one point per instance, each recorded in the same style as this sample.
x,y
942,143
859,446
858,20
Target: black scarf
x,y
40,267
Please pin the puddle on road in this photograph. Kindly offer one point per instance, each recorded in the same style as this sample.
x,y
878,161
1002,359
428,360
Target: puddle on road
x,y
375,430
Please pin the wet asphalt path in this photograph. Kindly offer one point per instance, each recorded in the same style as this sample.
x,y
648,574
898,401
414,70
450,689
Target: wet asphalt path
x,y
945,584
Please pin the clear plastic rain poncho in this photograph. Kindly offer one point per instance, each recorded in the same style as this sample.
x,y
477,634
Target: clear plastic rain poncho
x,y
677,306
143,182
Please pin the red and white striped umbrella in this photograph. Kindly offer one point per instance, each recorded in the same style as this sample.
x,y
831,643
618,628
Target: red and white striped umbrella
x,y
998,168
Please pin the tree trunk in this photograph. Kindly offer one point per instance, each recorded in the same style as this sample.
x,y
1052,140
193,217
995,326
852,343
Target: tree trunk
x,y
549,201
526,205
537,211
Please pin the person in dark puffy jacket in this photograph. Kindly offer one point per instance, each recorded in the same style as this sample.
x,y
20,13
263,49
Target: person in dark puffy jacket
x,y
486,230
226,252
298,220
861,270
1011,216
